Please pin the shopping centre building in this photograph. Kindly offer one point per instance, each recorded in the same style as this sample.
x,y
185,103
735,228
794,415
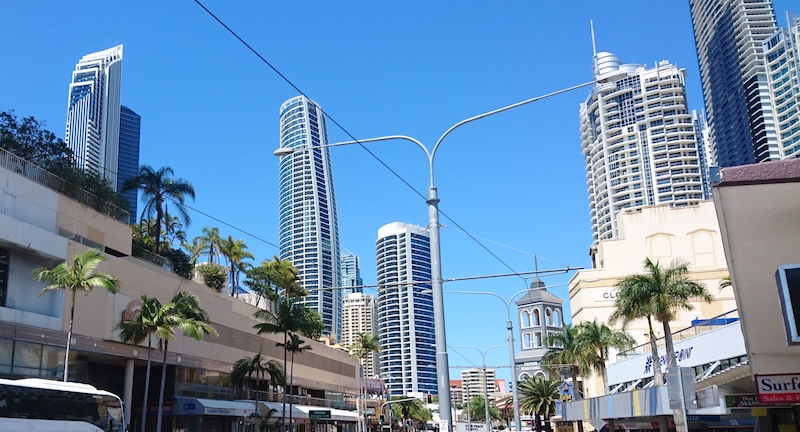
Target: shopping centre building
x,y
40,227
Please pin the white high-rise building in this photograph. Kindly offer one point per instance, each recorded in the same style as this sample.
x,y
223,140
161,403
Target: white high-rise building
x,y
360,315
351,274
782,54
639,141
405,309
93,112
309,227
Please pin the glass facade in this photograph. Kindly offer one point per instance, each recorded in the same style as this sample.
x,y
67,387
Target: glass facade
x,y
405,309
351,274
309,227
128,165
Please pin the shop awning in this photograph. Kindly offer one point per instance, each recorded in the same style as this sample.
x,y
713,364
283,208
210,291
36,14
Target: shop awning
x,y
336,414
195,406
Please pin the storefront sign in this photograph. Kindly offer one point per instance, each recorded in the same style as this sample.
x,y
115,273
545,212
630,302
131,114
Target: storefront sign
x,y
741,401
778,389
319,414
608,295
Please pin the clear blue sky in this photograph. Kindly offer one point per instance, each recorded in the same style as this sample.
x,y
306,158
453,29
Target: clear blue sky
x,y
209,110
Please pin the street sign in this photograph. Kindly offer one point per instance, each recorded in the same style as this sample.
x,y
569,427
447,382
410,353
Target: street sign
x,y
319,414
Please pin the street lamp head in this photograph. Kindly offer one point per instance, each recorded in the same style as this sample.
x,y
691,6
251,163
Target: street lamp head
x,y
283,151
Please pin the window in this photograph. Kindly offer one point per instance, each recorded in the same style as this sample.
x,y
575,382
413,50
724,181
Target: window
x,y
557,318
548,316
537,340
788,277
537,319
526,319
526,341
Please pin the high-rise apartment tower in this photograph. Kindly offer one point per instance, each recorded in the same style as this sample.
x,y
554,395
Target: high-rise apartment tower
x,y
93,112
360,315
782,53
351,274
640,141
309,227
130,125
728,37
405,309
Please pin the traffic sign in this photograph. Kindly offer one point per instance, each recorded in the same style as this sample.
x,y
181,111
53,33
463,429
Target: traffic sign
x,y
319,414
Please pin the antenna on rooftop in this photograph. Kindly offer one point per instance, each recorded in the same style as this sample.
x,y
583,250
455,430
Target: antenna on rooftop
x,y
594,45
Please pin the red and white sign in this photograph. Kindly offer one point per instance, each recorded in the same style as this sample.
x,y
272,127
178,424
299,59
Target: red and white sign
x,y
778,388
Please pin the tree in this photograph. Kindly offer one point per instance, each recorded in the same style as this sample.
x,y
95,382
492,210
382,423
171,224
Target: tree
x,y
195,249
259,281
284,276
478,410
144,324
211,242
564,349
80,276
236,252
213,275
260,367
366,344
294,345
661,292
158,189
537,397
408,408
184,313
627,309
288,317
28,139
595,340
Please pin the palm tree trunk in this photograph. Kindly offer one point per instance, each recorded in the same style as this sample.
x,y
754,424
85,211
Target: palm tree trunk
x,y
291,383
159,217
147,381
604,374
255,422
669,346
658,377
283,414
161,391
69,335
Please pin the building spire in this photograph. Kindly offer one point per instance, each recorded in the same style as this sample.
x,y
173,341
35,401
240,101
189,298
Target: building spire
x,y
594,45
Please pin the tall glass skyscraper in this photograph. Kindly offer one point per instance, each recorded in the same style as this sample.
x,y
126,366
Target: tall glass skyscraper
x,y
640,141
728,37
782,51
405,309
351,274
93,112
130,125
309,227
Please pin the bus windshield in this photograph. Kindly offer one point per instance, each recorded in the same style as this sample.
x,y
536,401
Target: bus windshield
x,y
35,400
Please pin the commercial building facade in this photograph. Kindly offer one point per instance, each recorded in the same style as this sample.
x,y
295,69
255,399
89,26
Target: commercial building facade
x,y
640,141
405,309
93,112
47,227
309,226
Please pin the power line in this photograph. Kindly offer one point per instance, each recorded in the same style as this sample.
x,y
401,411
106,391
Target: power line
x,y
265,61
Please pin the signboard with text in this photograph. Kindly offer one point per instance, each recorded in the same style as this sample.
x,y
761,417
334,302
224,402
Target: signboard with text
x,y
741,401
319,414
778,388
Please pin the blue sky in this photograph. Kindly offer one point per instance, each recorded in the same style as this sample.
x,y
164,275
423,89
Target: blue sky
x,y
209,110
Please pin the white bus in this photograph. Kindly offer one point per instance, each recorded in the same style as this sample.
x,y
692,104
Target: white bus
x,y
39,405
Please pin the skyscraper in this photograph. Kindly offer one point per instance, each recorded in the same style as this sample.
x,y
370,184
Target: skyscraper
x,y
309,227
360,315
728,37
93,112
128,166
351,274
782,52
405,309
640,142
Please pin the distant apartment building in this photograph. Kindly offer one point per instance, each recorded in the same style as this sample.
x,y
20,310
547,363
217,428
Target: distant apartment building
x,y
309,225
728,36
405,309
351,274
782,54
360,315
93,112
130,125
640,141
474,383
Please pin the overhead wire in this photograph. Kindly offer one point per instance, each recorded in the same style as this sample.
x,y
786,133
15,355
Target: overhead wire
x,y
340,126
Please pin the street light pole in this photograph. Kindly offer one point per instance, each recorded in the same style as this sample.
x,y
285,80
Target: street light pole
x,y
488,418
511,353
442,364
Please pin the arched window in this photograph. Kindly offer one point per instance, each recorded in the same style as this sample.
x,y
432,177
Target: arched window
x,y
526,319
557,317
537,319
548,316
523,376
539,374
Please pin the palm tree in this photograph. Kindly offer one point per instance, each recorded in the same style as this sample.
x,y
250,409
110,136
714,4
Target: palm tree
x,y
366,344
596,340
195,249
294,345
182,312
81,276
408,408
259,366
478,410
565,350
158,188
537,397
236,252
284,276
665,290
725,282
211,242
288,317
628,308
135,331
